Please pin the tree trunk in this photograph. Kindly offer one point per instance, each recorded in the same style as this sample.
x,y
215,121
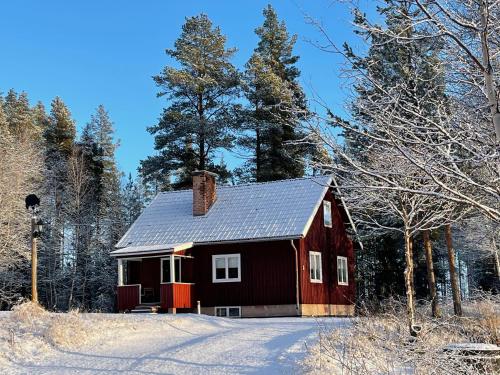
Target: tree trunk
x,y
431,278
495,255
410,300
201,140
257,154
457,301
488,73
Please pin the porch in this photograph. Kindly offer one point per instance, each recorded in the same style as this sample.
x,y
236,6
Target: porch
x,y
157,281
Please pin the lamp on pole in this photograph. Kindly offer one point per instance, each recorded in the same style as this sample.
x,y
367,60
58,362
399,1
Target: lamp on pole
x,y
32,204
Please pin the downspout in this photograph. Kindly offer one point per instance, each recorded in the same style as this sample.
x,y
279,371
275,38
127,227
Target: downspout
x,y
297,290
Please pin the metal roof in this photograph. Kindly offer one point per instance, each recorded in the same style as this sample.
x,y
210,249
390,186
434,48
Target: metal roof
x,y
151,249
249,212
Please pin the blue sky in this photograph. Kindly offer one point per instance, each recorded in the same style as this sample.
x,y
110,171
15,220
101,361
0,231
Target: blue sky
x,y
104,52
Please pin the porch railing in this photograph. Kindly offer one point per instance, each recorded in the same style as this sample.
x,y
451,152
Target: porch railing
x,y
129,296
177,295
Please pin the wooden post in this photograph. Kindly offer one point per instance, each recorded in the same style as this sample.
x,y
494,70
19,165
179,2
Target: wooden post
x,y
120,272
34,262
172,270
431,278
457,301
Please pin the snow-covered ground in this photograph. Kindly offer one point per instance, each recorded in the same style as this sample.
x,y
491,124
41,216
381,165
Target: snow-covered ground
x,y
159,344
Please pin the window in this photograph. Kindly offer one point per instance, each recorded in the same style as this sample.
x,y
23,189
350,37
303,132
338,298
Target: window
x,y
166,271
226,311
226,268
315,267
342,271
327,214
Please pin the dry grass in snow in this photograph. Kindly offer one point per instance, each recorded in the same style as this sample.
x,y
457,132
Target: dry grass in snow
x,y
380,343
30,332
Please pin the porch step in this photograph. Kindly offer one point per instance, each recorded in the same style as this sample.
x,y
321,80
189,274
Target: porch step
x,y
146,309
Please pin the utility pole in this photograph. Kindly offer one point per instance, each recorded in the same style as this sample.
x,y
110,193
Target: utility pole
x,y
32,204
34,259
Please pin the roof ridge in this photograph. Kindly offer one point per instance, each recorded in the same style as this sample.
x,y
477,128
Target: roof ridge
x,y
249,184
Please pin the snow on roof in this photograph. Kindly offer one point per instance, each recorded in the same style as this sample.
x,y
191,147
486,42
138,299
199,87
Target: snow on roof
x,y
271,210
148,249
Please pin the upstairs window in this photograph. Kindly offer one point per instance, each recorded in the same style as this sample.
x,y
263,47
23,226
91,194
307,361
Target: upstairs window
x,y
226,268
315,271
327,214
342,276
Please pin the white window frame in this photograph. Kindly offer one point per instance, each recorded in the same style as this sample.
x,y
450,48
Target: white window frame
x,y
172,269
226,261
227,311
342,264
327,214
313,256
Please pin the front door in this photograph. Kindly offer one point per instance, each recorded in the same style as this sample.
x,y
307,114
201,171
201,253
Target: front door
x,y
150,277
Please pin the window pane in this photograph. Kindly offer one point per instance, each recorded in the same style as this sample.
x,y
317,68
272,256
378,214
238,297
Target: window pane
x,y
220,273
327,213
311,266
177,265
232,273
220,268
234,311
221,311
318,267
165,277
220,263
233,262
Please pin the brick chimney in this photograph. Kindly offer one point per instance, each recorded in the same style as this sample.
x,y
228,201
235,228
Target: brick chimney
x,y
204,192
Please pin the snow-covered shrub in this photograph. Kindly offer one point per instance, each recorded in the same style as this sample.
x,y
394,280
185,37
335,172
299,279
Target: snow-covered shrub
x,y
67,330
380,344
29,316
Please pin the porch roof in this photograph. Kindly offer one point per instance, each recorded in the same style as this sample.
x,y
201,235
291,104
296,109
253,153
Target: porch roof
x,y
151,249
249,212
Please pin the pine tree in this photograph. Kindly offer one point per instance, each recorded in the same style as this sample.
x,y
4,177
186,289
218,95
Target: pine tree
x,y
61,131
199,118
60,148
98,147
19,116
278,104
133,201
40,119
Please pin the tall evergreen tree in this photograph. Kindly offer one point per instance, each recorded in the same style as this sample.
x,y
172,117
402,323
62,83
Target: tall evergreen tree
x,y
133,200
60,146
277,104
61,130
19,114
200,115
99,148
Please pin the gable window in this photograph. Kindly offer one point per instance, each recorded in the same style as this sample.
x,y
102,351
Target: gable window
x,y
315,267
342,276
226,268
228,311
327,214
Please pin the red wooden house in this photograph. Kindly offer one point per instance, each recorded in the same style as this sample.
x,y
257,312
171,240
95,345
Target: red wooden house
x,y
264,249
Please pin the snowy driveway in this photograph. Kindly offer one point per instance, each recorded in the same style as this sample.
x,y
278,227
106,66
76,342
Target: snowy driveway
x,y
190,345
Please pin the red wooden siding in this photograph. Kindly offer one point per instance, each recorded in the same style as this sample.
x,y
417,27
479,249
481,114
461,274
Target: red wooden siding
x,y
176,295
128,297
267,275
330,242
